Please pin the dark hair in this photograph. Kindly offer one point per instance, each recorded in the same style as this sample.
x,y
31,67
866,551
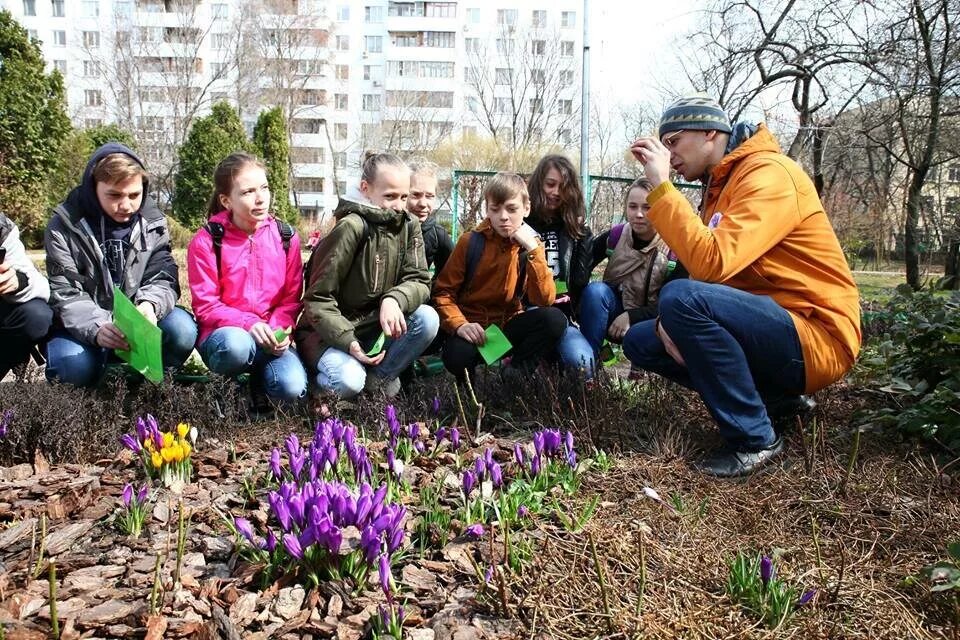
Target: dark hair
x,y
372,161
503,186
572,207
224,174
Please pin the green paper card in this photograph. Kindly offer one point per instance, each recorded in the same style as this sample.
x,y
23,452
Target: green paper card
x,y
143,336
496,345
561,286
281,334
377,346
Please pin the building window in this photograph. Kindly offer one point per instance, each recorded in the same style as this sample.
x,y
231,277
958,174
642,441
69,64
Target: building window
x,y
472,45
371,102
308,185
90,69
440,39
340,131
505,45
503,75
373,14
220,41
538,47
33,34
373,44
438,99
340,160
565,107
220,10
306,125
565,136
953,173
539,18
507,17
29,7
420,69
473,104
566,78
90,123
343,43
340,101
61,66
367,72
536,105
307,155
568,19
343,13
501,105
566,48
342,184
538,76
91,39
92,98
473,16
90,9
218,69
342,72
440,9
57,6
59,38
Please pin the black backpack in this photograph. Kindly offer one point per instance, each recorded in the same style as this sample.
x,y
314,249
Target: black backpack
x,y
475,246
216,231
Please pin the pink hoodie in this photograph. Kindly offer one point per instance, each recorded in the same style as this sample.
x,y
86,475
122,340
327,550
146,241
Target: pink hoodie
x,y
257,283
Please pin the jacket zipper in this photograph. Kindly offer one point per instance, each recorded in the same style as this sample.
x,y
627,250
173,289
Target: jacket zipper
x,y
376,272
417,246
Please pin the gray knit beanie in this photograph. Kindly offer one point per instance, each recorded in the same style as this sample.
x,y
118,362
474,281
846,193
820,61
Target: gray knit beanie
x,y
698,111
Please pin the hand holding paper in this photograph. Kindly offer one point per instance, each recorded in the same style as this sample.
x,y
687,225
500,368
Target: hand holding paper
x,y
143,338
496,345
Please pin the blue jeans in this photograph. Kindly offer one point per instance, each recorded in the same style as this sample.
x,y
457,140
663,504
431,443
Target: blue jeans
x,y
231,351
343,375
82,364
575,352
740,350
600,304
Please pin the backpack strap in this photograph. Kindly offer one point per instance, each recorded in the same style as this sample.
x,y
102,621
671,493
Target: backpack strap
x,y
475,246
365,236
286,234
614,237
216,231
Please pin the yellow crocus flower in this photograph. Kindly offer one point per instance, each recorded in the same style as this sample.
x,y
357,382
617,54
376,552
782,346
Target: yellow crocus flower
x,y
183,429
186,448
167,439
156,459
168,454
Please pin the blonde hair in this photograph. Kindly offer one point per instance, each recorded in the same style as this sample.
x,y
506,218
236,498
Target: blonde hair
x,y
373,160
422,166
117,167
504,186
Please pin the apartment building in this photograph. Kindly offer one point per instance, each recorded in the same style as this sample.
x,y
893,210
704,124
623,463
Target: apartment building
x,y
350,74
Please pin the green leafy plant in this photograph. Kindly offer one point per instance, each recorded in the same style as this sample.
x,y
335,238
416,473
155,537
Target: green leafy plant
x,y
433,527
752,582
945,575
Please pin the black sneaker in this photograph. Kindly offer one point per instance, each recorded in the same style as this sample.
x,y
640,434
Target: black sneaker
x,y
260,405
732,463
784,412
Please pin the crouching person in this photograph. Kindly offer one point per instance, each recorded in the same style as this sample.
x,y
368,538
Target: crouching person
x,y
109,232
366,277
246,277
490,270
25,316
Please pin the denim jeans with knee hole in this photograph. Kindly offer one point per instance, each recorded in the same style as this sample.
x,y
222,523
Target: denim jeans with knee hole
x,y
342,374
82,364
231,351
739,350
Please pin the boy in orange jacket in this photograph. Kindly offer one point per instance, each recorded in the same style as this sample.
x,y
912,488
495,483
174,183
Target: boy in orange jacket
x,y
509,262
770,311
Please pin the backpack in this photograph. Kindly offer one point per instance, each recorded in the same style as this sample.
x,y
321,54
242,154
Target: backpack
x,y
475,246
216,231
614,237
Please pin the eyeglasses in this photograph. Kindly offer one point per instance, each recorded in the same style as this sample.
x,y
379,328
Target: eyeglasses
x,y
670,139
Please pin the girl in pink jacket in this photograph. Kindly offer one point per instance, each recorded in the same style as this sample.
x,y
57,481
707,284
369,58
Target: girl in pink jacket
x,y
246,278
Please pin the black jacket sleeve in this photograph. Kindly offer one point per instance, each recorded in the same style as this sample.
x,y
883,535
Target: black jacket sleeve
x,y
443,249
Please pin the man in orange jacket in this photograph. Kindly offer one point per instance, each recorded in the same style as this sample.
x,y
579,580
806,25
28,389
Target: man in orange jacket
x,y
770,311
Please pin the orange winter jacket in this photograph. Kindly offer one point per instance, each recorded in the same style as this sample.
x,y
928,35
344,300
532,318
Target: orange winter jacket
x,y
773,238
489,297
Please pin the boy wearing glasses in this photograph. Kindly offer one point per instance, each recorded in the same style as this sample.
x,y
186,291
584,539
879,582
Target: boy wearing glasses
x,y
770,311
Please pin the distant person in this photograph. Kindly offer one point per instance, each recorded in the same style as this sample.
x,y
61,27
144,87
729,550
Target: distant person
x,y
437,244
637,265
25,316
246,279
770,311
366,277
509,263
109,232
557,213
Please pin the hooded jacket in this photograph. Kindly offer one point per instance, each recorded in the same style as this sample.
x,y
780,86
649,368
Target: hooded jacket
x,y
348,276
81,287
772,238
30,282
489,297
257,281
437,244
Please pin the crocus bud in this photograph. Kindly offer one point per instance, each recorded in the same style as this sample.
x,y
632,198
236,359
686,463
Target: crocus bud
x,y
469,480
475,530
384,571
129,441
455,438
436,405
143,494
766,570
127,495
292,545
244,528
518,454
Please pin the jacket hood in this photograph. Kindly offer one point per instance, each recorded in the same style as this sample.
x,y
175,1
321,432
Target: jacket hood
x,y
760,142
373,215
85,196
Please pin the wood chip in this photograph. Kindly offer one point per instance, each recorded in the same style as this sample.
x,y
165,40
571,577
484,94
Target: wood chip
x,y
62,539
110,612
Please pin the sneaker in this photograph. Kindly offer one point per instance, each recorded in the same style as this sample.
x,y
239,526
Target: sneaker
x,y
375,384
732,463
260,404
784,412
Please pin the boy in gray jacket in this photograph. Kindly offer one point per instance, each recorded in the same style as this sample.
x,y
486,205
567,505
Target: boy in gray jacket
x,y
24,314
109,232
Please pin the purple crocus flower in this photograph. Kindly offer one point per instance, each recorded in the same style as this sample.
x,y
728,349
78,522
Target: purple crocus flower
x,y
297,460
496,474
127,495
384,570
572,459
455,438
435,406
480,468
270,541
128,440
419,447
523,511
488,575
244,528
538,443
518,454
275,467
568,441
551,441
488,457
142,431
370,543
441,434
292,544
469,480
142,494
413,431
280,508
475,530
535,465
766,570
806,597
